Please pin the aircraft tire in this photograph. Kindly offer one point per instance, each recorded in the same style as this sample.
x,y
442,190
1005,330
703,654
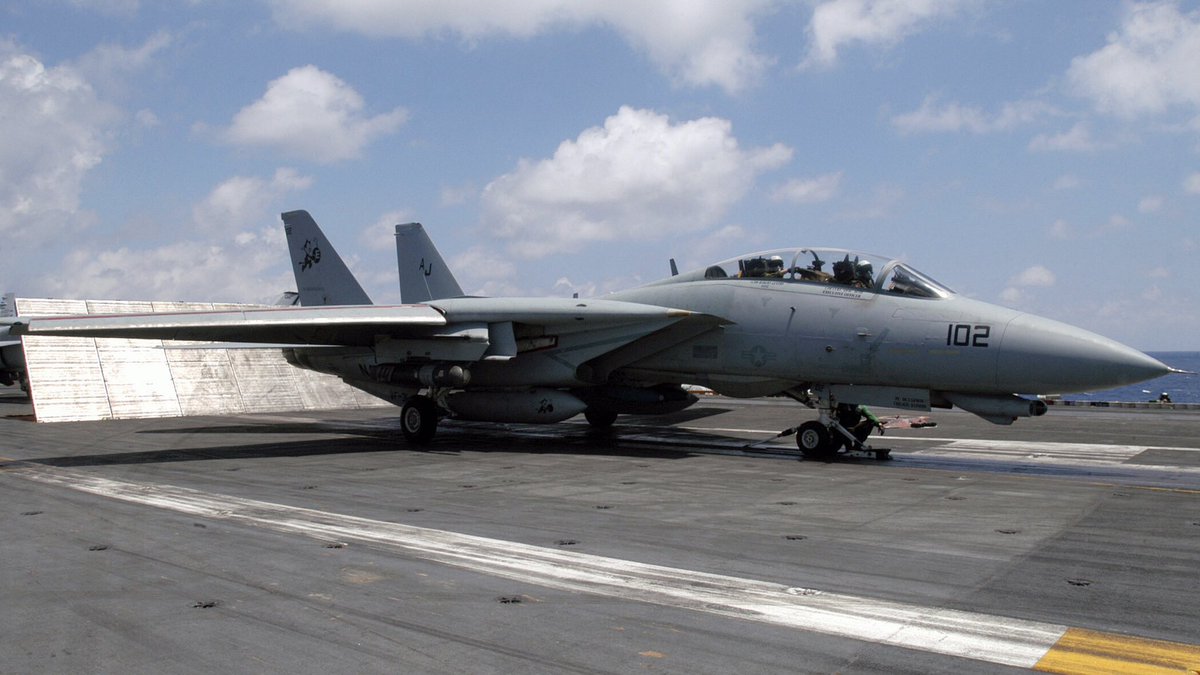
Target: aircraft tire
x,y
418,420
600,418
815,442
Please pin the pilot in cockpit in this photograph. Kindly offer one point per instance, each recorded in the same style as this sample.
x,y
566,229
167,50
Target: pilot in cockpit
x,y
761,267
774,267
857,273
864,274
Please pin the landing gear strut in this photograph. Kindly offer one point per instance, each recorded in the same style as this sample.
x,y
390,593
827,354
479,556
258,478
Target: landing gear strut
x,y
840,425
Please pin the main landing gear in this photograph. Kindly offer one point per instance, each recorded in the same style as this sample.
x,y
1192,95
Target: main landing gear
x,y
599,418
841,425
419,419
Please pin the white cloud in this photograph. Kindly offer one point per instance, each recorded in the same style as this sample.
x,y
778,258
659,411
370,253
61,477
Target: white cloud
x,y
460,194
241,202
1011,296
232,271
697,43
810,190
242,260
709,43
931,117
637,178
1151,204
838,23
312,115
1067,181
1116,222
381,235
563,286
1191,184
1149,65
934,117
146,118
1061,229
108,66
485,270
1036,276
724,242
1076,139
63,134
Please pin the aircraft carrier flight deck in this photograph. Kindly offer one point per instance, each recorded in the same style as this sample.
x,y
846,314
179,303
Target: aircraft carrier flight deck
x,y
696,542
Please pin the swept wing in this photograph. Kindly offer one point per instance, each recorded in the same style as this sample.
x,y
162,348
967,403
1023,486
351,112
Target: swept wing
x,y
478,320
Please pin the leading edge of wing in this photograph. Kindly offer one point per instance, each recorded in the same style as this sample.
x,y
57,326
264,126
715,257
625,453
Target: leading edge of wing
x,y
557,311
328,325
349,325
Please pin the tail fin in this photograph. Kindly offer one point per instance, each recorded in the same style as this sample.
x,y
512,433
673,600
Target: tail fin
x,y
321,276
424,276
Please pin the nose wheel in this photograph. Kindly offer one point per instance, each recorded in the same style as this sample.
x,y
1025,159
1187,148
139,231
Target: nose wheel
x,y
815,441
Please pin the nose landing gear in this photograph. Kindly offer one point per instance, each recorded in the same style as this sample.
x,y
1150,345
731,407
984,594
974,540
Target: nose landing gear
x,y
841,425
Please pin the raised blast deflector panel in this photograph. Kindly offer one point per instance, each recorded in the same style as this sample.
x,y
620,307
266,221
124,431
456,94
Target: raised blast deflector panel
x,y
84,378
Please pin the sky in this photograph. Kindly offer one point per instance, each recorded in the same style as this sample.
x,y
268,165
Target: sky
x,y
1039,155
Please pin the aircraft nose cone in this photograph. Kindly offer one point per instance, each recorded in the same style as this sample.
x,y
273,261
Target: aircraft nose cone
x,y
1042,356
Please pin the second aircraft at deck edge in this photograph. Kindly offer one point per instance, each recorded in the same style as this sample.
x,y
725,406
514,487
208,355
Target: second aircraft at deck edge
x,y
833,329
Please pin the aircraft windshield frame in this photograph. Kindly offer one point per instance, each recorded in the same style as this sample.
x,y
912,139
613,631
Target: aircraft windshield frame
x,y
855,269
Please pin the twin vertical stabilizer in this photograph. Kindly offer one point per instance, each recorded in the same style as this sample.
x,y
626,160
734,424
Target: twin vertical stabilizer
x,y
424,276
321,276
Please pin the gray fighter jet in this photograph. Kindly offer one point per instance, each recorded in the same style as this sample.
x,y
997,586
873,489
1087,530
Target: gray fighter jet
x,y
835,330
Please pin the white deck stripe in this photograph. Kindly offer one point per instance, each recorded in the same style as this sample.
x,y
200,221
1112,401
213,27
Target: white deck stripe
x,y
1095,455
1007,641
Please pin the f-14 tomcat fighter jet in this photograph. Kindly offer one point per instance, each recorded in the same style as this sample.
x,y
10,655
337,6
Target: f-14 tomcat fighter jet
x,y
832,329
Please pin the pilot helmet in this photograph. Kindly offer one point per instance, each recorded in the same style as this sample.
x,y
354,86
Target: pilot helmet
x,y
864,272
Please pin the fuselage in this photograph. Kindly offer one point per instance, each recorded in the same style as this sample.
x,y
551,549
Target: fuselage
x,y
811,328
781,321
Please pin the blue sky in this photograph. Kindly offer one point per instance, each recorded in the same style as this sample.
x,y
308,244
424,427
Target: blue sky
x,y
1044,156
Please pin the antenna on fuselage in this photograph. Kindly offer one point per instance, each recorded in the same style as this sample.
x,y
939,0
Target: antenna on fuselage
x,y
674,269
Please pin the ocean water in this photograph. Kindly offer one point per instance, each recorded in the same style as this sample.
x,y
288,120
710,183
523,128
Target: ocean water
x,y
1181,388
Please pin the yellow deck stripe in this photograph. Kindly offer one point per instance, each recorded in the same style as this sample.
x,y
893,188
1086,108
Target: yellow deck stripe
x,y
1094,652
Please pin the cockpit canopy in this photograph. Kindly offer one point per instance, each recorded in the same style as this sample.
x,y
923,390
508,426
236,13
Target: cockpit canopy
x,y
827,266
